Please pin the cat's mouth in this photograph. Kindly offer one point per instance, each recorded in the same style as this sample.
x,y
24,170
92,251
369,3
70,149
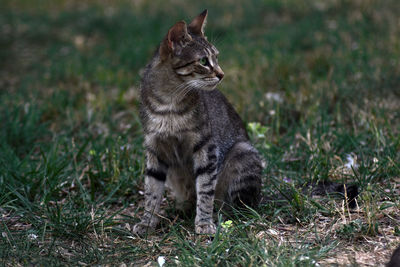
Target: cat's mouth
x,y
212,81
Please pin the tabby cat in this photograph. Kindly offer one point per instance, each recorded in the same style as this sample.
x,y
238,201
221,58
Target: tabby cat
x,y
195,143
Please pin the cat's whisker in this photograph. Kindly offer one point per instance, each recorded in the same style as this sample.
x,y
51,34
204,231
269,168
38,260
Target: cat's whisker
x,y
182,91
216,39
177,91
187,91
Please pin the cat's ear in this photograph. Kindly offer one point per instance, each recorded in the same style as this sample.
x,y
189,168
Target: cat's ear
x,y
177,37
197,25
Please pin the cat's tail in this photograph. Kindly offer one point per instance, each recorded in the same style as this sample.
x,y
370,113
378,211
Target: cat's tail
x,y
349,192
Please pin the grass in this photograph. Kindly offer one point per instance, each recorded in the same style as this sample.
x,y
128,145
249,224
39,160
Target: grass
x,y
320,77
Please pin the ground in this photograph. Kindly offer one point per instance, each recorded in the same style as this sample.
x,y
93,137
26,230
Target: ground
x,y
316,82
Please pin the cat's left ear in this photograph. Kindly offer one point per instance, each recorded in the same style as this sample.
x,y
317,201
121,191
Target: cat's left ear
x,y
176,38
197,25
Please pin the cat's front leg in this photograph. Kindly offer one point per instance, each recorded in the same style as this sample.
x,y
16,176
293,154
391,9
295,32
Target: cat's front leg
x,y
205,169
155,176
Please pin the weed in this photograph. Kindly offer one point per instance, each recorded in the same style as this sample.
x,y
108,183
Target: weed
x,y
315,81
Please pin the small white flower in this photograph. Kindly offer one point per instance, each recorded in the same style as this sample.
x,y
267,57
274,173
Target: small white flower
x,y
351,162
161,261
273,232
303,258
287,180
32,236
274,97
125,147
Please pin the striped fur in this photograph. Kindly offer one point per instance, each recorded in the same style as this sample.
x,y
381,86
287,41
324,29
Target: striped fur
x,y
196,144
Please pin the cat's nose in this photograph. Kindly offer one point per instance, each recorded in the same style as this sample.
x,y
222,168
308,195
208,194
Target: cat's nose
x,y
219,73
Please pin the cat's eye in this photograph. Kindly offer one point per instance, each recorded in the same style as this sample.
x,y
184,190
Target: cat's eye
x,y
204,61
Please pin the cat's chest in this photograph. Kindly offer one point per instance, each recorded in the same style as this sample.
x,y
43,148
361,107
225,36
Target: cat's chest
x,y
170,124
174,150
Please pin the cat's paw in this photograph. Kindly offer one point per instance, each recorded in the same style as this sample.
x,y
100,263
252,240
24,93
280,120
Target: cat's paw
x,y
142,229
206,229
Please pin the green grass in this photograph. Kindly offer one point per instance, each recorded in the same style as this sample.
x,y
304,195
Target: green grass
x,y
71,156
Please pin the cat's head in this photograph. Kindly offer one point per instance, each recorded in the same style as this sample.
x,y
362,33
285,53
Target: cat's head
x,y
192,58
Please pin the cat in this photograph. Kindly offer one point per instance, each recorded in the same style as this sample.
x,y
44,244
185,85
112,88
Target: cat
x,y
195,143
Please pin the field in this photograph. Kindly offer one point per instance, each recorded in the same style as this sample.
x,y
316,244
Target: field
x,y
316,81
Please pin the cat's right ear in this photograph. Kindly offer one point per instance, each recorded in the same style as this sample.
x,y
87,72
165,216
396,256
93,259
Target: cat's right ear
x,y
198,23
176,38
